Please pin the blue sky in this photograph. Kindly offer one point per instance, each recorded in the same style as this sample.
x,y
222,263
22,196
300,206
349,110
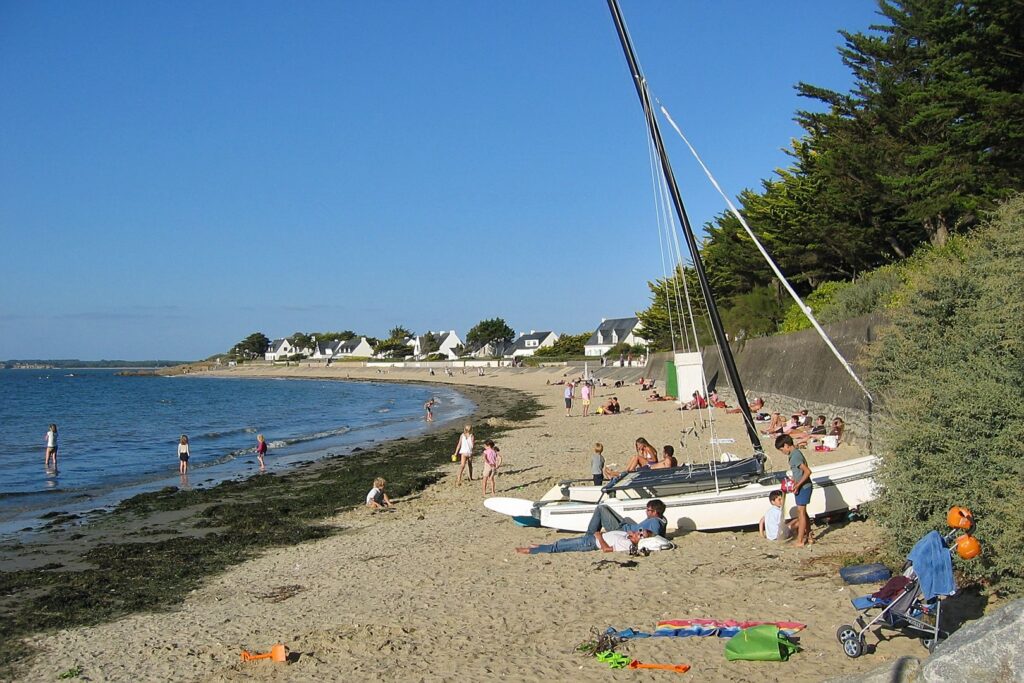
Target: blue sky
x,y
177,175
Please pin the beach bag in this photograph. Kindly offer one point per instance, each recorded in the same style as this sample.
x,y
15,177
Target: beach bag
x,y
655,543
764,643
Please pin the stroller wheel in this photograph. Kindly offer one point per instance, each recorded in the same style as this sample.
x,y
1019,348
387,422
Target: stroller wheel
x,y
845,633
853,647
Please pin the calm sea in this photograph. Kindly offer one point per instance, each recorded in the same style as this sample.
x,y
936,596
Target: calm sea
x,y
118,435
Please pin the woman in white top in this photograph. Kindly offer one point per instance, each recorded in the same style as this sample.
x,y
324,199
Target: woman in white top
x,y
183,454
464,451
51,446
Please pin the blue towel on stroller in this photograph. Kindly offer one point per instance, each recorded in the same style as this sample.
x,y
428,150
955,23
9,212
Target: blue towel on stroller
x,y
933,566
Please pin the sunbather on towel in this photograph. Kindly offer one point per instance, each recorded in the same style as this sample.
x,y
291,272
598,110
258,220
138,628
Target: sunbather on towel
x,y
755,406
608,541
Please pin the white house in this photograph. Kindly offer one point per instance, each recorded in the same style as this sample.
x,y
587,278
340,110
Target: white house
x,y
499,349
527,344
324,350
447,343
279,349
358,348
613,331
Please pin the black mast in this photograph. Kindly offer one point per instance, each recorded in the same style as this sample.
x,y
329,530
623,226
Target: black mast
x,y
666,168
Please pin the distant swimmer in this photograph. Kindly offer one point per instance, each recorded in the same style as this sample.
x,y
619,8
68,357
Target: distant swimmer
x,y
51,446
429,408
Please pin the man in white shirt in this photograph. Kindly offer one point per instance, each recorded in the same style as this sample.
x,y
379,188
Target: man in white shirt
x,y
607,541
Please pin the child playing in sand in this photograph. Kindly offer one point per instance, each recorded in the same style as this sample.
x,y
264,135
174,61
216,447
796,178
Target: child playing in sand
x,y
771,525
492,460
261,450
376,498
597,464
183,454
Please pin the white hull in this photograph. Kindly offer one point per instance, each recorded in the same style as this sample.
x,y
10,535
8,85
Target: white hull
x,y
839,486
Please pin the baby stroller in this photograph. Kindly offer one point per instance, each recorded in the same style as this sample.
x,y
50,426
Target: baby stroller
x,y
912,602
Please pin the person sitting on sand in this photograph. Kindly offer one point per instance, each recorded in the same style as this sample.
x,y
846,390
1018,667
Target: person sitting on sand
x,y
838,427
655,396
611,407
698,402
715,401
646,455
803,438
755,406
607,541
775,426
792,424
771,525
376,498
605,518
668,459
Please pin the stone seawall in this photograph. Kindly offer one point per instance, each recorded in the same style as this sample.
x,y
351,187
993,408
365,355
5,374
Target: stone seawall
x,y
797,370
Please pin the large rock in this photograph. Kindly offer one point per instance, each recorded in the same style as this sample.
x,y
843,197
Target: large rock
x,y
989,649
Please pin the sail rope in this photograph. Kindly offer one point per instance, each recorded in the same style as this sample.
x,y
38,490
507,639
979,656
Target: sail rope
x,y
677,296
775,269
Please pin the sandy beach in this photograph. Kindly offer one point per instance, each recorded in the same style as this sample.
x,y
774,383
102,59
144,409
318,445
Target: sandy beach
x,y
433,589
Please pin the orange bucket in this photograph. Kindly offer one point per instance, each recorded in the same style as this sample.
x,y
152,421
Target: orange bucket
x,y
278,653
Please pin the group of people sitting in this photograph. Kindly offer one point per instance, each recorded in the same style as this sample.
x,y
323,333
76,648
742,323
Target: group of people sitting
x,y
612,407
646,458
800,427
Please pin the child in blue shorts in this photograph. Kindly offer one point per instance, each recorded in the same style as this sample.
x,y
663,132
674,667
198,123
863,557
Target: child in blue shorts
x,y
801,475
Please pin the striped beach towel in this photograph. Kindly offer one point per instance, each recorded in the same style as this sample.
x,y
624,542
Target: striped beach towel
x,y
685,628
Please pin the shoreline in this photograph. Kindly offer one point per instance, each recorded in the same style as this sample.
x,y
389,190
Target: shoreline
x,y
433,589
26,512
71,564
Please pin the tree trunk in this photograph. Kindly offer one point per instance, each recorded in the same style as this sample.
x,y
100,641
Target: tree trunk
x,y
938,230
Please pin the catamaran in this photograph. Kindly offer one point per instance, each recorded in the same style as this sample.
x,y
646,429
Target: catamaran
x,y
716,495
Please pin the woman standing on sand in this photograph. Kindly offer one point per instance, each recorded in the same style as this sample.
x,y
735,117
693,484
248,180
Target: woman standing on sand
x,y
261,450
464,451
183,454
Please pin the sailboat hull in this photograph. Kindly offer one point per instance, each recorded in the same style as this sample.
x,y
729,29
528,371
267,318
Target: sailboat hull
x,y
840,486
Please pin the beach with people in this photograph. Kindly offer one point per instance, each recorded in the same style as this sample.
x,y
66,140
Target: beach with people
x,y
435,588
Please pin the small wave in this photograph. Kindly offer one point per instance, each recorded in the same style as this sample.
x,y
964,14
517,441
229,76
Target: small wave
x,y
229,432
383,410
280,443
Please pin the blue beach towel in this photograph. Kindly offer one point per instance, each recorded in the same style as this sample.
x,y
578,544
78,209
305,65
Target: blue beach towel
x,y
933,565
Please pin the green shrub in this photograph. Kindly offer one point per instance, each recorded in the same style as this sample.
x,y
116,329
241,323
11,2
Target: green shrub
x,y
821,300
950,372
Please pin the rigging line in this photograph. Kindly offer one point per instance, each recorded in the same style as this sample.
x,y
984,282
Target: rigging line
x,y
640,84
673,240
659,217
713,452
803,307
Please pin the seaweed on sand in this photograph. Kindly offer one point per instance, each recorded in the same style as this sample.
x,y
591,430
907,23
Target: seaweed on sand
x,y
214,529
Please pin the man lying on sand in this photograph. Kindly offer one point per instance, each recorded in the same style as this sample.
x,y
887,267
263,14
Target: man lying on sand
x,y
608,541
